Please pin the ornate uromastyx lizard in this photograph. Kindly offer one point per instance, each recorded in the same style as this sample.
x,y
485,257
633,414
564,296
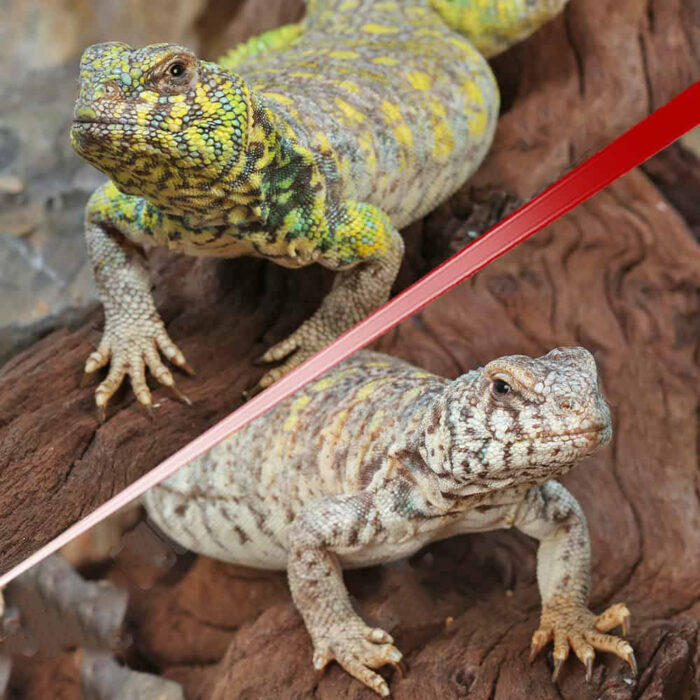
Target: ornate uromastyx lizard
x,y
376,459
312,143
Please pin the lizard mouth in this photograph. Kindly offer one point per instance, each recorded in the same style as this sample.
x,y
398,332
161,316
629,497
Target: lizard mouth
x,y
589,432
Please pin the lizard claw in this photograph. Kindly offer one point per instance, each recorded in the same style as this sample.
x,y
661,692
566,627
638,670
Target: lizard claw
x,y
573,627
131,350
558,663
359,654
179,395
401,667
187,368
539,641
251,391
305,342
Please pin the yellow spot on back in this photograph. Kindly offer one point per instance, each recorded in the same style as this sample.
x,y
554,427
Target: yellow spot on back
x,y
343,54
326,382
385,61
293,417
403,135
462,44
349,111
419,80
444,140
367,145
477,123
350,86
391,111
369,388
379,29
473,92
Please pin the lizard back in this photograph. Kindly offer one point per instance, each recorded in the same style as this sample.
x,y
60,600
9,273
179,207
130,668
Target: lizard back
x,y
331,437
398,108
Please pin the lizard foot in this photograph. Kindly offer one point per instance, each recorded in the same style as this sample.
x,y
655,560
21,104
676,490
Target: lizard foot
x,y
306,341
129,351
573,627
358,653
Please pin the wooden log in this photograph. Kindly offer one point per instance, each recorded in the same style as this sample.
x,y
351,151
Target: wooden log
x,y
618,275
569,90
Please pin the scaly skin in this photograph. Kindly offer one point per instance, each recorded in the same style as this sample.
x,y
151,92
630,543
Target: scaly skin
x,y
378,458
312,143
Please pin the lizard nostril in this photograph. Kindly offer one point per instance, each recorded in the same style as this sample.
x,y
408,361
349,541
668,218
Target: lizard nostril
x,y
570,404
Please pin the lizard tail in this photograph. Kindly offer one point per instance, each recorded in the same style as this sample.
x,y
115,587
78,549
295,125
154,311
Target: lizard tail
x,y
495,25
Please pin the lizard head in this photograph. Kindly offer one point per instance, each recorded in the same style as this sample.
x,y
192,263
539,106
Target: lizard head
x,y
517,420
159,122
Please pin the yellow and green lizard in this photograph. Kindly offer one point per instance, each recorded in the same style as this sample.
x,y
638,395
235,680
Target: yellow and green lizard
x,y
312,143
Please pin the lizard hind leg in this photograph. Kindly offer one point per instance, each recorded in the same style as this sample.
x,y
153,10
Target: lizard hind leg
x,y
367,250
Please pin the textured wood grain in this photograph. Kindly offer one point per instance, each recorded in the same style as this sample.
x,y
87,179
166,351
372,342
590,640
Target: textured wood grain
x,y
619,275
58,464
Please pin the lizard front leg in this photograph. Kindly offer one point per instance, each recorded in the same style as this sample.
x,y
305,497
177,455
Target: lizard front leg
x,y
329,527
134,331
367,250
552,515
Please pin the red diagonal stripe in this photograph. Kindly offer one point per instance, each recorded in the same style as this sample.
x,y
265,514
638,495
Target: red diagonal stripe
x,y
632,148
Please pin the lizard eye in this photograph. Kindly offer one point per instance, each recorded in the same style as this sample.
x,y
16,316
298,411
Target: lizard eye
x,y
177,69
500,387
176,76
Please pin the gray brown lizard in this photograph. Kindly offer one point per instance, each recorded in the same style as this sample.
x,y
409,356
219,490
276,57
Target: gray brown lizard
x,y
376,459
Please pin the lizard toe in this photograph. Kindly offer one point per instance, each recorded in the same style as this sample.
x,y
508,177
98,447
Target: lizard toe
x,y
574,628
288,365
617,615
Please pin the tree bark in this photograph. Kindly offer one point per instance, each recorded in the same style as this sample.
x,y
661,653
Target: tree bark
x,y
618,275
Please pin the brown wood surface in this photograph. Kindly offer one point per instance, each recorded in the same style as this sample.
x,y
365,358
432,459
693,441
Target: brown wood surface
x,y
619,275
